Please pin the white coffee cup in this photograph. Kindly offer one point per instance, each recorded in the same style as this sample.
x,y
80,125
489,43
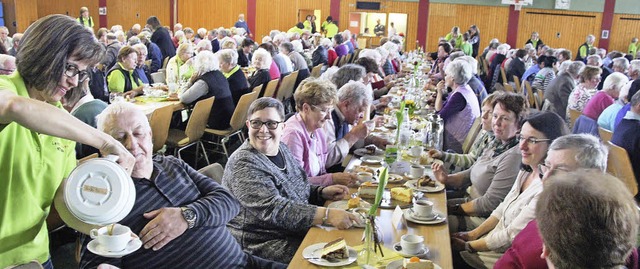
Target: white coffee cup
x,y
411,244
115,242
364,176
416,171
423,208
416,151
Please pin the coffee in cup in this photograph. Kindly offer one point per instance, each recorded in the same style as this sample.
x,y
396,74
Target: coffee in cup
x,y
423,208
416,171
411,244
115,241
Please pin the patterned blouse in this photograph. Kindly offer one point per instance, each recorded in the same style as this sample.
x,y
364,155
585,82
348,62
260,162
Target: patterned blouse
x,y
579,98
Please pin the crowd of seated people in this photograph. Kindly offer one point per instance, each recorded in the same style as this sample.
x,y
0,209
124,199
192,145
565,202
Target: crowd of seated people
x,y
496,213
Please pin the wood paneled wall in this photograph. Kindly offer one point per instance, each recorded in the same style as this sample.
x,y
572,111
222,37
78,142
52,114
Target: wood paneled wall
x,y
129,12
491,20
69,7
409,8
20,11
625,27
209,14
282,15
573,26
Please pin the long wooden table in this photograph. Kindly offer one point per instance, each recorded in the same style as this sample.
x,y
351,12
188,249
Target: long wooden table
x,y
436,236
148,105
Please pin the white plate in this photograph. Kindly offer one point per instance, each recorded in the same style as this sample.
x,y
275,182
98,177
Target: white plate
x,y
312,254
423,254
420,218
363,151
372,159
398,265
342,204
412,185
408,215
95,248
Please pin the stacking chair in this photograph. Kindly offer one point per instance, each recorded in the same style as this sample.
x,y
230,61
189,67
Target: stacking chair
x,y
530,95
508,87
504,75
573,116
214,171
285,92
343,60
272,86
539,97
257,89
471,136
160,121
237,123
605,135
158,77
336,61
165,62
316,71
516,81
180,140
619,165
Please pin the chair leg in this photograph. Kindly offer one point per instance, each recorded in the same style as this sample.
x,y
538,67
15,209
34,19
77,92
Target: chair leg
x,y
203,152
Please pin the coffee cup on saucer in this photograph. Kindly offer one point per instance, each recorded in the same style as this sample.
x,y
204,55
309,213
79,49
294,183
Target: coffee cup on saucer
x,y
423,208
364,176
112,239
416,171
411,244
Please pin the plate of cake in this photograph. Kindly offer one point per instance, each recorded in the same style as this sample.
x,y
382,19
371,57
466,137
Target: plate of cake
x,y
369,150
425,184
352,203
398,196
413,263
333,254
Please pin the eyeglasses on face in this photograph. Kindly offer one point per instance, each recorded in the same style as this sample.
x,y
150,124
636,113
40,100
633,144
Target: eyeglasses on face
x,y
271,125
71,70
531,140
544,168
324,111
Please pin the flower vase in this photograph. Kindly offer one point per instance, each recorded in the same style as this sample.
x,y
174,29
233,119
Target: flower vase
x,y
367,257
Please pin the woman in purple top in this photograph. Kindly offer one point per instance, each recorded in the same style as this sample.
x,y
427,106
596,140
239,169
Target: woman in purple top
x,y
461,108
304,134
341,49
604,98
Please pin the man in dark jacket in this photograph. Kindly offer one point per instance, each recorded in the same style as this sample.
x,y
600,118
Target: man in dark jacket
x,y
559,89
516,67
161,37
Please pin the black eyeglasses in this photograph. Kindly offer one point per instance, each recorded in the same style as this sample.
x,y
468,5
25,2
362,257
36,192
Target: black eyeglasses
x,y
71,70
531,140
544,168
271,125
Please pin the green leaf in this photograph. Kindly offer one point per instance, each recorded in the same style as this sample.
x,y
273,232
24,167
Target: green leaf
x,y
384,176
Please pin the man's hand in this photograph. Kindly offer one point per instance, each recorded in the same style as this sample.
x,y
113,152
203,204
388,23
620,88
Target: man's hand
x,y
436,154
113,147
335,192
439,172
166,224
346,179
342,219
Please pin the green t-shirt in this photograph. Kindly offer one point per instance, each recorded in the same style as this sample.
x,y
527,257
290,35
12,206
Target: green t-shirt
x,y
295,29
633,49
32,166
307,25
331,29
467,48
459,40
115,80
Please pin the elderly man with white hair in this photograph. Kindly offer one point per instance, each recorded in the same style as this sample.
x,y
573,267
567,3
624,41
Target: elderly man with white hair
x,y
7,64
559,89
583,50
134,31
153,51
620,64
16,44
604,98
299,63
321,55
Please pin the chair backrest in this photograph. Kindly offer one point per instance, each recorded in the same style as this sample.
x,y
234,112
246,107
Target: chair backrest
x,y
165,62
336,61
471,136
508,87
270,91
257,88
532,98
573,116
605,135
240,113
286,88
316,71
160,121
198,119
214,171
539,99
619,165
158,77
516,81
344,59
503,74
356,54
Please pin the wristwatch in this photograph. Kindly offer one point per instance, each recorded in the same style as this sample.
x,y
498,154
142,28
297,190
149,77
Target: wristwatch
x,y
189,215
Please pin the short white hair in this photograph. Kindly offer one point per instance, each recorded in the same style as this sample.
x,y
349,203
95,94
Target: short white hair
x,y
206,61
384,53
297,46
178,34
621,62
261,59
503,49
472,62
615,81
634,65
392,48
204,45
228,42
280,38
461,71
266,39
140,48
202,31
229,56
325,42
104,120
371,54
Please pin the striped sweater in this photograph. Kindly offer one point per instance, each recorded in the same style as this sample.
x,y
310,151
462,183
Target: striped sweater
x,y
464,161
208,245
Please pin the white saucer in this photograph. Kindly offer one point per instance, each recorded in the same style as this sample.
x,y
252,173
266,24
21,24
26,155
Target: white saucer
x,y
409,216
95,248
421,218
411,184
423,253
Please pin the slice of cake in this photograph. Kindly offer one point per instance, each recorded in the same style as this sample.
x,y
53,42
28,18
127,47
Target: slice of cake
x,y
426,181
336,249
354,202
402,194
416,263
368,190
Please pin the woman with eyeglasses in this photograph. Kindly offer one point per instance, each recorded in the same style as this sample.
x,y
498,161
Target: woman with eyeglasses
x,y
304,134
581,94
483,246
278,203
493,173
36,133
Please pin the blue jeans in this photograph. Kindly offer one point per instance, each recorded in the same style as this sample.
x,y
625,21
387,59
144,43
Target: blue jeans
x,y
48,264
